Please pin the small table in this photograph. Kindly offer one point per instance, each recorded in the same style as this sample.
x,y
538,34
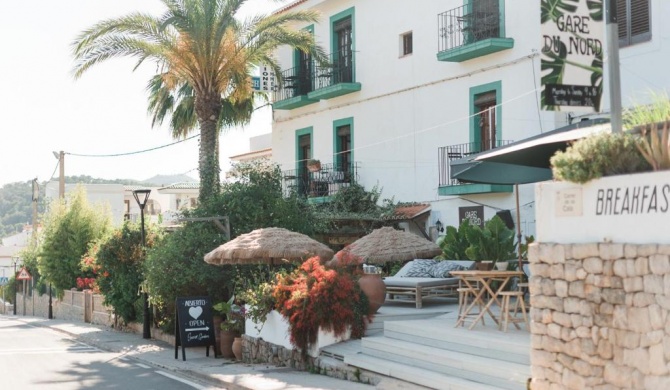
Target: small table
x,y
481,281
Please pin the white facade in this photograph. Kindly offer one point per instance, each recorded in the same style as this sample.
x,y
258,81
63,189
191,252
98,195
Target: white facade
x,y
410,105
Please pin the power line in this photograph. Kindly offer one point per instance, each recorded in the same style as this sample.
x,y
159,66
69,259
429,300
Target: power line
x,y
131,153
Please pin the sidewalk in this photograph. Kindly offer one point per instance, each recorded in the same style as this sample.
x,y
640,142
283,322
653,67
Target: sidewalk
x,y
221,372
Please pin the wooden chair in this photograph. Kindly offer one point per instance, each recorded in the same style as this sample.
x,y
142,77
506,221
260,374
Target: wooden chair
x,y
465,296
507,314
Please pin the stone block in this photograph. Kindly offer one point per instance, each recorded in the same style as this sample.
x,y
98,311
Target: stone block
x,y
627,340
657,382
602,320
593,265
663,249
630,251
571,305
542,358
583,251
583,331
538,328
576,289
550,344
606,308
663,301
607,267
565,360
620,317
637,358
587,346
577,320
633,284
546,253
561,287
630,267
581,274
616,282
639,320
647,250
653,284
651,338
570,270
593,293
611,251
618,376
659,264
614,296
602,281
656,317
641,266
666,285
643,299
604,349
539,269
619,268
556,271
554,330
584,369
557,253
563,319
535,340
572,380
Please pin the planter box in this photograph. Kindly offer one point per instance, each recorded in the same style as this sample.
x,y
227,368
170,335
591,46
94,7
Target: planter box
x,y
623,209
275,331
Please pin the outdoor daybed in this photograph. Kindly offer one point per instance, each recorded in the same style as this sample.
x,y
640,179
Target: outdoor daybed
x,y
425,278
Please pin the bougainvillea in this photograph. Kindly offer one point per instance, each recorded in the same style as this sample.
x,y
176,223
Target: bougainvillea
x,y
315,296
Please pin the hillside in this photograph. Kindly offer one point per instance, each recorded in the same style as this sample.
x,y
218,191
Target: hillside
x,y
16,200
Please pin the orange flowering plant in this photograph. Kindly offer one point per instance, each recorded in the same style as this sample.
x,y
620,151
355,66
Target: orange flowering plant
x,y
315,296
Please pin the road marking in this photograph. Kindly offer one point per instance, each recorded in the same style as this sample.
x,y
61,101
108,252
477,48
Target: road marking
x,y
143,366
184,381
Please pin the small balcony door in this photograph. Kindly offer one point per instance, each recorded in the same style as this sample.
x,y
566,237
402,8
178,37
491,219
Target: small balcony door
x,y
485,106
304,154
304,73
343,63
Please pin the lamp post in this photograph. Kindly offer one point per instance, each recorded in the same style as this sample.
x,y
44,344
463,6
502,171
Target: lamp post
x,y
141,197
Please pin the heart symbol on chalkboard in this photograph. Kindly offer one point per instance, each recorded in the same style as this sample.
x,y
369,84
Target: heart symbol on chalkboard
x,y
195,312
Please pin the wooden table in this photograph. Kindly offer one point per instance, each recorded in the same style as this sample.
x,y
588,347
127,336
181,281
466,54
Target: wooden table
x,y
481,281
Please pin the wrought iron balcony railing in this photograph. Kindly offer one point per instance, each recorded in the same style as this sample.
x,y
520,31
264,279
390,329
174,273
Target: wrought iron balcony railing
x,y
340,70
324,182
296,81
446,154
468,24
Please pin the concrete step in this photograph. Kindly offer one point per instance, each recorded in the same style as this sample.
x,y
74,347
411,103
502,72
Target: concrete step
x,y
486,370
488,342
381,317
414,375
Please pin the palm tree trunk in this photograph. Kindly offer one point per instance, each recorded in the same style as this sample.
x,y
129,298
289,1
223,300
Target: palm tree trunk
x,y
208,110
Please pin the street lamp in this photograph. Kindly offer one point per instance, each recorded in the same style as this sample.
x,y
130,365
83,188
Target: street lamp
x,y
142,196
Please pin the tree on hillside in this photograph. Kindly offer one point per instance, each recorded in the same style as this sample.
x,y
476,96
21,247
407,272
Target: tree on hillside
x,y
204,55
70,225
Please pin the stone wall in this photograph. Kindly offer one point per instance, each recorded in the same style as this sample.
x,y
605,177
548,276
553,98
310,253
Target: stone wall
x,y
74,306
600,316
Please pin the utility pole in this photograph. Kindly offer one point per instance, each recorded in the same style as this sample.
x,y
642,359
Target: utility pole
x,y
612,32
61,180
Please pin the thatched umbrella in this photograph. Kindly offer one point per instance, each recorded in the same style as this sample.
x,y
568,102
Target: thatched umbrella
x,y
268,245
389,245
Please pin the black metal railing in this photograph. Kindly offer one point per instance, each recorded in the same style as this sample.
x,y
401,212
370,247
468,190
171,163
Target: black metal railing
x,y
446,154
295,82
324,182
468,24
340,70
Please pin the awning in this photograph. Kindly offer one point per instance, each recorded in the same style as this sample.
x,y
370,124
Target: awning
x,y
525,161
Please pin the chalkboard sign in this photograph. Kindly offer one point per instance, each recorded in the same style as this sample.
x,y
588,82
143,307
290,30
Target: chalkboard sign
x,y
194,326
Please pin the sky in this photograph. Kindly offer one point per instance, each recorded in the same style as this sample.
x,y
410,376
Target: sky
x,y
102,113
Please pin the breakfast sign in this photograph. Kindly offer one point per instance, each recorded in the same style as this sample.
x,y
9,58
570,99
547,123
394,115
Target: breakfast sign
x,y
572,54
194,326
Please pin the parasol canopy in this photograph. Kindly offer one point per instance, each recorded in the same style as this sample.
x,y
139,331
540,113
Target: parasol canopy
x,y
389,245
268,245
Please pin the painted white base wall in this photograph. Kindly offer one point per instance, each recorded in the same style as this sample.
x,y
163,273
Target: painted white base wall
x,y
275,331
631,209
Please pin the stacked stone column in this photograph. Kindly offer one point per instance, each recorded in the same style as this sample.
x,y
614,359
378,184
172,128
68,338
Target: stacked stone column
x,y
599,316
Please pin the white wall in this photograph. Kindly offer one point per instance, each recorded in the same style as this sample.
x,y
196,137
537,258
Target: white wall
x,y
409,107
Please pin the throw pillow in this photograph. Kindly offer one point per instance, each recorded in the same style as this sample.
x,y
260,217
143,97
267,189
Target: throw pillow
x,y
442,269
420,268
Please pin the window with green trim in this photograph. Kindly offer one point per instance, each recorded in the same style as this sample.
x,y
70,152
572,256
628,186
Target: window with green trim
x,y
485,120
343,50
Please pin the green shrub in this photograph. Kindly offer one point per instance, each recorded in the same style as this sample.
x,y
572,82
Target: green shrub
x,y
175,267
116,262
455,242
652,120
494,242
603,154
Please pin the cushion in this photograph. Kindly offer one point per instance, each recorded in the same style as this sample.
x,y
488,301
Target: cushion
x,y
442,268
393,281
420,268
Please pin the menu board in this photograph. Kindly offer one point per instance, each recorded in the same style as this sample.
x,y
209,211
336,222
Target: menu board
x,y
194,325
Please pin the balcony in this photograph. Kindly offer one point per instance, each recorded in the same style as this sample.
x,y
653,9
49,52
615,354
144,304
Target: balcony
x,y
320,184
336,79
447,154
292,93
471,31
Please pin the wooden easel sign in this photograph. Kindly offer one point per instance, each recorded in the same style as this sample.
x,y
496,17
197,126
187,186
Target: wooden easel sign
x,y
194,325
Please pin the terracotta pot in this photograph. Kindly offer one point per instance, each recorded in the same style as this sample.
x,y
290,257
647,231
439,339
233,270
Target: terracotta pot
x,y
374,288
237,348
226,343
484,265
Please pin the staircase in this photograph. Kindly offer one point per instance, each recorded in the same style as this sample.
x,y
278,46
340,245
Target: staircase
x,y
434,354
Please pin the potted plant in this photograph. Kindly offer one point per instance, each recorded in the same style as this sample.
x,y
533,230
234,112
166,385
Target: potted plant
x,y
495,242
313,165
232,325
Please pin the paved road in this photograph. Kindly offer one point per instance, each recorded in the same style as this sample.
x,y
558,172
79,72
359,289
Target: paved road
x,y
41,358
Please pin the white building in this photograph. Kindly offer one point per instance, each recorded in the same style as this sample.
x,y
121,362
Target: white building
x,y
415,80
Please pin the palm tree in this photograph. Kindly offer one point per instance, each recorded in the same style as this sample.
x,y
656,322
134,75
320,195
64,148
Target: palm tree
x,y
205,56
